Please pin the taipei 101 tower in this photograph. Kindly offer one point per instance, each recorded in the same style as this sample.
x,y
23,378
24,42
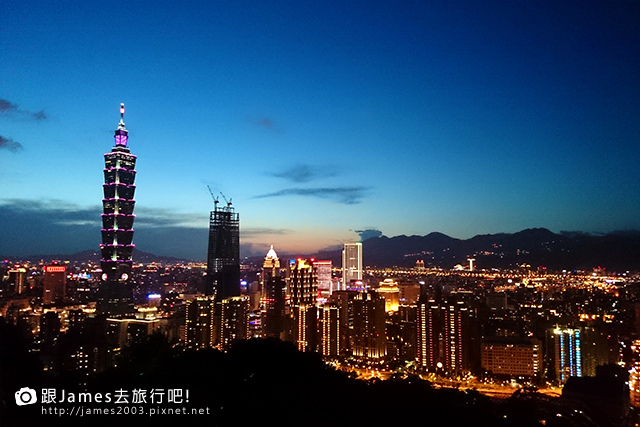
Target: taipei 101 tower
x,y
117,224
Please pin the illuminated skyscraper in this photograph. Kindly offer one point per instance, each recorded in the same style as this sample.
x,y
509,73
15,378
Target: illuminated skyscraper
x,y
302,283
323,270
200,328
117,225
273,296
234,319
17,277
427,320
579,351
443,336
369,327
118,203
223,256
568,349
55,279
351,263
329,316
389,290
302,291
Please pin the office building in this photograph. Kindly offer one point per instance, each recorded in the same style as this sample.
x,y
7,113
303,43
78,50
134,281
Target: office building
x,y
302,292
117,225
17,278
389,290
302,283
55,280
273,296
323,271
351,263
118,203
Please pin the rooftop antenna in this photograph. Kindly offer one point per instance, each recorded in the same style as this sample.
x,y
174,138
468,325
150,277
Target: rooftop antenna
x,y
215,199
121,124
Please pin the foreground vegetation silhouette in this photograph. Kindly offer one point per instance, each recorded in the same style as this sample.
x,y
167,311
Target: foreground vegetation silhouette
x,y
268,381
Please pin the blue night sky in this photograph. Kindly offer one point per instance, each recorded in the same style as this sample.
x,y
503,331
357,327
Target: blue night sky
x,y
319,118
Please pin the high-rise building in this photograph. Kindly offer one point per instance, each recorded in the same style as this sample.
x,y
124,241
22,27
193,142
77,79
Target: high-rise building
x,y
234,320
55,278
323,271
118,203
117,225
389,290
329,316
427,344
302,283
223,255
200,330
443,336
344,301
17,277
351,263
273,296
568,348
369,327
302,292
305,327
578,351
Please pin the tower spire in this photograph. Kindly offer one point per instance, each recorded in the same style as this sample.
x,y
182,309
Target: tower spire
x,y
121,124
122,134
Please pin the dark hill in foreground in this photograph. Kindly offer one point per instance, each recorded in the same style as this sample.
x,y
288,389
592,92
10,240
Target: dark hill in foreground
x,y
261,381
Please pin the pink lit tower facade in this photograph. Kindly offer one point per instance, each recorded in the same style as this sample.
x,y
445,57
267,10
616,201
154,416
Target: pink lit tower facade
x,y
117,219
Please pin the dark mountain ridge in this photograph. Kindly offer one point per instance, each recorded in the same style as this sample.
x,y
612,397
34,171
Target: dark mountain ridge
x,y
537,247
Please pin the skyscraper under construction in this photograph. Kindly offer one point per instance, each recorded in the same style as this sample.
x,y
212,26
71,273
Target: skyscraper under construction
x,y
223,256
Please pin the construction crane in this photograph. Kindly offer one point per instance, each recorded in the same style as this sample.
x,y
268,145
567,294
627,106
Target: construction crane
x,y
215,199
225,199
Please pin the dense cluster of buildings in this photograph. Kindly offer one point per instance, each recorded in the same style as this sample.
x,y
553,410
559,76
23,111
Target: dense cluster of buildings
x,y
525,326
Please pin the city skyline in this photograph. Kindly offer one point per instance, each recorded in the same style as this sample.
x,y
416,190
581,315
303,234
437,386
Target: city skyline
x,y
319,120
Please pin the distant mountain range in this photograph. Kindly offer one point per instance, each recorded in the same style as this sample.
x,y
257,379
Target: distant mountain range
x,y
618,251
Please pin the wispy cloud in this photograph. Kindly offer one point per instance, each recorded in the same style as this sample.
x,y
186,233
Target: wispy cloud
x,y
9,144
344,195
51,207
11,110
262,231
7,106
57,226
160,217
266,123
304,173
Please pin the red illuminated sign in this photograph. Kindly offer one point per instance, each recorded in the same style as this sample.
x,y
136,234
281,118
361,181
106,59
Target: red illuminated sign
x,y
55,269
